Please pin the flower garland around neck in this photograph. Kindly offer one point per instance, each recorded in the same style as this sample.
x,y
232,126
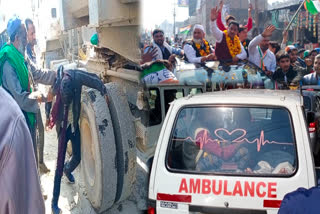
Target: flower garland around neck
x,y
203,52
233,45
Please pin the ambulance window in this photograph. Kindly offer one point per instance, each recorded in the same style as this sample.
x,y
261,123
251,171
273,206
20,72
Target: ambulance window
x,y
171,95
307,103
154,107
233,140
195,91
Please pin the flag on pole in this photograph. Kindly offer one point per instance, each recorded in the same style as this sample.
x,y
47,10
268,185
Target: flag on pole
x,y
185,30
312,6
183,3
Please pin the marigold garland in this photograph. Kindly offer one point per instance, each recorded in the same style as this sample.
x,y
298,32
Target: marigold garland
x,y
203,52
233,45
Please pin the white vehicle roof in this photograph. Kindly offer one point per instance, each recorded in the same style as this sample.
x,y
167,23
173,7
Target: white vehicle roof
x,y
245,96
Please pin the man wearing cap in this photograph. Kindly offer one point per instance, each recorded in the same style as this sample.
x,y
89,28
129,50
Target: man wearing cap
x,y
198,49
163,49
292,51
300,58
259,53
16,78
228,45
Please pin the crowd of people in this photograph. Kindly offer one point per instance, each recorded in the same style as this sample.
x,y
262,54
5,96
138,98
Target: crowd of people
x,y
287,64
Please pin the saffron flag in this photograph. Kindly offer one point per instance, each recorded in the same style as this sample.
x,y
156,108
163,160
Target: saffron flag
x,y
312,6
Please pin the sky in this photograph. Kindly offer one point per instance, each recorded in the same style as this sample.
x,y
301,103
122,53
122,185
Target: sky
x,y
159,10
9,8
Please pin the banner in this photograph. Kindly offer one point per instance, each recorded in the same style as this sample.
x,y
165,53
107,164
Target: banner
x,y
183,3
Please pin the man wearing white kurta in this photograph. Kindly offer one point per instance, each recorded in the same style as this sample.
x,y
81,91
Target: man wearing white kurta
x,y
259,53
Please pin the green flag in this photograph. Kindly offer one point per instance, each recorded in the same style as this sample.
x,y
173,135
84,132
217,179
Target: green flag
x,y
312,7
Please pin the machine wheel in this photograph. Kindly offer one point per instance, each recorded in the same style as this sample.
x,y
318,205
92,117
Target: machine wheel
x,y
98,151
124,132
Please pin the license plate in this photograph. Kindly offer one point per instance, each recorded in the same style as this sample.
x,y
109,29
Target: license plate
x,y
169,205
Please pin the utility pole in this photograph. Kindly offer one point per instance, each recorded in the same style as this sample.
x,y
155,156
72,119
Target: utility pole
x,y
256,11
174,19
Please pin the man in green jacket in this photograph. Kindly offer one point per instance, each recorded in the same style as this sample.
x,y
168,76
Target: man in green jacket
x,y
16,75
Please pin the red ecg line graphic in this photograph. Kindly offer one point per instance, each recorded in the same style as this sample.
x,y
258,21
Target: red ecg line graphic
x,y
205,138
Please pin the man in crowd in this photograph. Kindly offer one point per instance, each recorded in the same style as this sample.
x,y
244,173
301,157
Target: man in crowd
x,y
313,78
164,50
300,58
228,45
293,53
259,53
31,35
243,36
198,49
274,47
19,180
17,79
285,73
301,201
312,55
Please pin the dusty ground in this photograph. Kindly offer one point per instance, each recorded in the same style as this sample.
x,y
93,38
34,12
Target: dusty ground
x,y
69,194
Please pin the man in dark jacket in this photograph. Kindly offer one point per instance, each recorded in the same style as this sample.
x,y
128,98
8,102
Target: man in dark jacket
x,y
285,73
65,115
301,201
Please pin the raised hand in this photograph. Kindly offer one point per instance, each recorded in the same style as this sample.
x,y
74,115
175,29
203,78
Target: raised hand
x,y
214,14
285,34
250,10
221,3
268,31
149,55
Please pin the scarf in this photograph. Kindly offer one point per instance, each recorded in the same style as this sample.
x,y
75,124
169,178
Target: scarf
x,y
55,111
16,59
262,56
234,45
203,48
159,52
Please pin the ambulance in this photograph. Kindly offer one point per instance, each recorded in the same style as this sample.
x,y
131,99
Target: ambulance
x,y
234,151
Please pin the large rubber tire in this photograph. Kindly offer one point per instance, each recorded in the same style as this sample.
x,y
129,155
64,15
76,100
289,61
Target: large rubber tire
x,y
98,156
124,132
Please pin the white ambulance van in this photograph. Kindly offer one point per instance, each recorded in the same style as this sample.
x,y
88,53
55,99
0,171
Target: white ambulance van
x,y
235,151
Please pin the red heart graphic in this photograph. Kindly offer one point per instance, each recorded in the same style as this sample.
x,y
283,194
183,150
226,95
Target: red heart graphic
x,y
238,132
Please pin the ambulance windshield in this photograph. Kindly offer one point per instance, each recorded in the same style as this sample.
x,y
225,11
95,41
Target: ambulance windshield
x,y
233,140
